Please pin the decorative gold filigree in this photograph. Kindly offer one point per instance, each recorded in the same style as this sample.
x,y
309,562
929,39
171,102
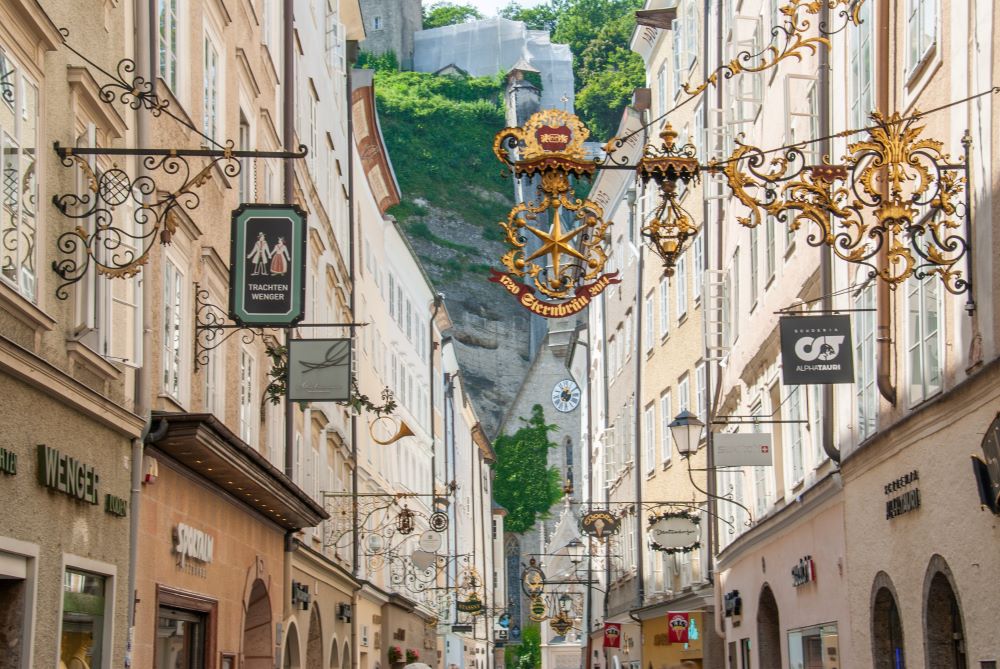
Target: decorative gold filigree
x,y
788,41
671,227
894,204
564,250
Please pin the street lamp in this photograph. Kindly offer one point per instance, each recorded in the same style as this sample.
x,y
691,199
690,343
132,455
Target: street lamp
x,y
565,603
686,431
575,550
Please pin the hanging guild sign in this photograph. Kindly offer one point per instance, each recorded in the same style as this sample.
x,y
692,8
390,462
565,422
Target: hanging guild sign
x,y
677,627
537,609
561,624
319,370
267,265
674,532
987,472
742,449
612,635
555,258
600,524
816,349
472,605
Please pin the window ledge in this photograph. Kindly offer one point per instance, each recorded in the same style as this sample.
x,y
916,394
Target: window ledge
x,y
84,356
25,311
789,250
667,464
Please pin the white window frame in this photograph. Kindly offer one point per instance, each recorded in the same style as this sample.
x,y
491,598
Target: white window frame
x,y
25,270
247,419
211,73
754,266
799,88
918,14
666,437
865,391
861,100
698,256
684,393
170,67
664,307
924,342
700,392
174,361
647,317
794,435
680,277
649,435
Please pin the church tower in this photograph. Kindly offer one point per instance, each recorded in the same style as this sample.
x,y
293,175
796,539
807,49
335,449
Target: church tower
x,y
389,26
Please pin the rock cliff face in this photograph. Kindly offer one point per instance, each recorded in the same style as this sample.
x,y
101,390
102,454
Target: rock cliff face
x,y
491,330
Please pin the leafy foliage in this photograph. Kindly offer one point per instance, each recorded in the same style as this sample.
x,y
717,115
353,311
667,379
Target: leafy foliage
x,y
605,70
525,485
449,13
386,62
528,653
439,132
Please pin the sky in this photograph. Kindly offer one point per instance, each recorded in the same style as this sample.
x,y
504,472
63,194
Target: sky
x,y
490,7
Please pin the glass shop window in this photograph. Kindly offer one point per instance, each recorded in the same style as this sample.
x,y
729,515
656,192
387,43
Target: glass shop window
x,y
82,621
180,639
814,648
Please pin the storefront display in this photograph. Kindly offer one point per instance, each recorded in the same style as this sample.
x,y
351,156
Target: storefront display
x,y
82,621
814,647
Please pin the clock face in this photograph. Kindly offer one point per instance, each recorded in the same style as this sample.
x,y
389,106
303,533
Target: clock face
x,y
566,395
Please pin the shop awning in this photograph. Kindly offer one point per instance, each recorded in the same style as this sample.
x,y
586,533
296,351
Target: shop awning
x,y
204,445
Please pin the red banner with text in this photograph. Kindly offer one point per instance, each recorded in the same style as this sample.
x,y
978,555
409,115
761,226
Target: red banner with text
x,y
529,299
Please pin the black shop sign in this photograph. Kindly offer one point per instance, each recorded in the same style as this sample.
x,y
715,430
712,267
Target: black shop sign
x,y
267,265
816,349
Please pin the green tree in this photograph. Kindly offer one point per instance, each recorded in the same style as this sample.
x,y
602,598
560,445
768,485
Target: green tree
x,y
525,485
528,653
542,17
449,13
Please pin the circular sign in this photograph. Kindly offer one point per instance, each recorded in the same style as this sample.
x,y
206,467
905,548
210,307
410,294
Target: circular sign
x,y
674,532
566,395
430,541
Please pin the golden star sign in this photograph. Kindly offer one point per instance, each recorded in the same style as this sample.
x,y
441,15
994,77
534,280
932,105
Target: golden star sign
x,y
556,244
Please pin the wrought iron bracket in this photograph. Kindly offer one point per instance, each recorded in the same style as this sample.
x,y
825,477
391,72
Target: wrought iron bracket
x,y
212,328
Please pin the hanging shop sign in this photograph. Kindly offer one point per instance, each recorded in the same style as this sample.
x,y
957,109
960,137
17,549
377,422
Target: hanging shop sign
x,y
733,606
612,635
300,596
532,580
67,475
674,532
742,449
461,628
906,501
677,627
267,265
472,605
537,609
816,349
987,471
319,370
8,462
561,624
600,524
804,572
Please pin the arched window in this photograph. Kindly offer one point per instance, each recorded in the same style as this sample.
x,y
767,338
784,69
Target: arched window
x,y
887,628
944,634
768,630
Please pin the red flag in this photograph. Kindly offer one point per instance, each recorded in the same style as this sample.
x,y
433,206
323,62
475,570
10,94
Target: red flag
x,y
613,635
677,627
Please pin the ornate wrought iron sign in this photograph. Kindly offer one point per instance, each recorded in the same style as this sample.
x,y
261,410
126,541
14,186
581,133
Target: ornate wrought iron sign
x,y
988,472
600,524
816,349
556,256
472,605
267,265
537,609
561,624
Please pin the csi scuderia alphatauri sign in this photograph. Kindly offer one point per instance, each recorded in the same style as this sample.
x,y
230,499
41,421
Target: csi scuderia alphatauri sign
x,y
816,349
267,265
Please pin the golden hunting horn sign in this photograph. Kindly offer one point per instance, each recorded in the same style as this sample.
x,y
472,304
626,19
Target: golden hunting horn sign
x,y
555,258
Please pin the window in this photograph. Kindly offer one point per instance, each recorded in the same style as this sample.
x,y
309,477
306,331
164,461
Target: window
x,y
864,362
699,264
247,404
210,99
921,31
628,342
169,30
666,416
733,295
754,264
647,319
802,114
923,337
685,43
680,276
683,394
769,221
215,381
794,404
661,89
180,639
814,646
377,23
392,296
612,359
334,44
81,641
700,396
246,167
664,307
174,311
648,426
760,474
18,147
862,70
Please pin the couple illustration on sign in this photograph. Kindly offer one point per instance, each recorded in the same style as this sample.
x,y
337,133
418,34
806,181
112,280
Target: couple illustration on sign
x,y
261,253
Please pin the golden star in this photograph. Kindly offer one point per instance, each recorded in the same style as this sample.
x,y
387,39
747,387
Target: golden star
x,y
556,243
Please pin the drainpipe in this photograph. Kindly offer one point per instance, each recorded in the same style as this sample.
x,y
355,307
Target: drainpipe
x,y
590,506
432,346
637,473
825,268
883,315
145,56
352,50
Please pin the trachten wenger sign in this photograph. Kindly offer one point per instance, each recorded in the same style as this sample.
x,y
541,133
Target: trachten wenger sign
x,y
267,265
739,450
816,349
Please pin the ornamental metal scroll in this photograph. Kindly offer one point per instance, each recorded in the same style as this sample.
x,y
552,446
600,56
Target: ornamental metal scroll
x,y
896,204
212,329
789,40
